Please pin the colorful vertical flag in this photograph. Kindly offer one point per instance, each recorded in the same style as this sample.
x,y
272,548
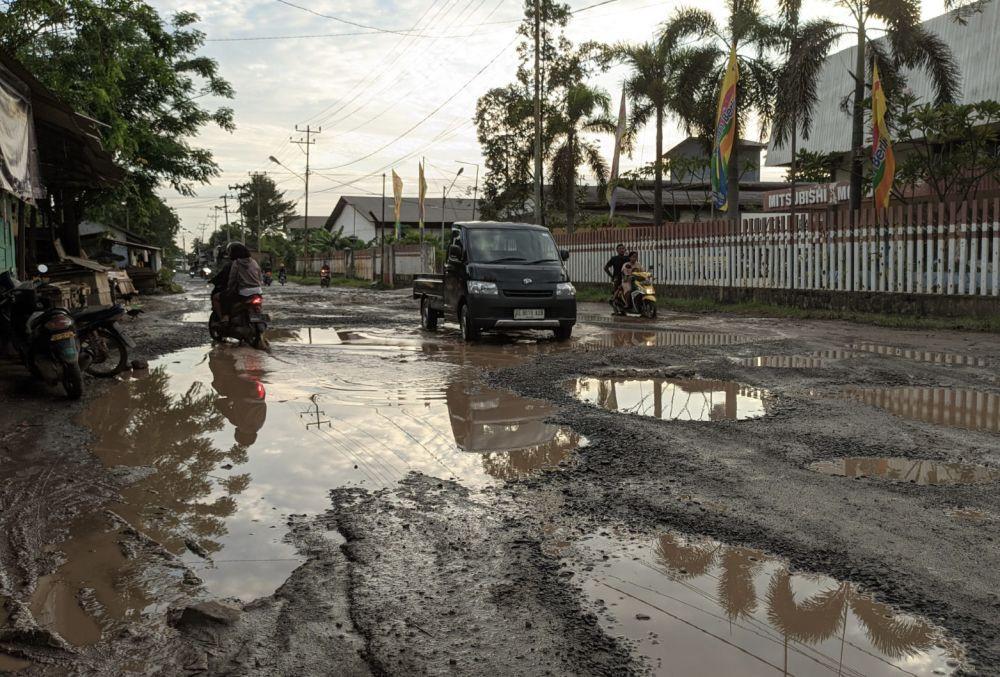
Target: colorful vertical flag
x,y
421,199
613,179
725,135
883,161
397,194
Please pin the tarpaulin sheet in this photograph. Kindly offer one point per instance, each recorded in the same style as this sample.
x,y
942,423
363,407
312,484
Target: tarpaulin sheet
x,y
16,143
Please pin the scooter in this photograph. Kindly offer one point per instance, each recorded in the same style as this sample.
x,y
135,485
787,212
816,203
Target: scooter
x,y
103,347
282,277
44,336
641,300
268,278
324,277
247,322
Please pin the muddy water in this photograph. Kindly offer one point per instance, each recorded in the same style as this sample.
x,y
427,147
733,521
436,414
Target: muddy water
x,y
916,355
12,664
674,399
694,606
908,470
232,441
953,407
816,360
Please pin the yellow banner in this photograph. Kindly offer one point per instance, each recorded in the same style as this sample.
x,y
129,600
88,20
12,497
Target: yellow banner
x,y
397,194
883,160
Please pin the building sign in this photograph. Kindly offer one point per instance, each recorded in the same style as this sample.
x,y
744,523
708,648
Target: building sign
x,y
808,196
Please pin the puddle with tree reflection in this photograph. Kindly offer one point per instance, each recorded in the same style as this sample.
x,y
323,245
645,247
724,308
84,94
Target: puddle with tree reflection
x,y
674,399
694,606
953,407
915,471
233,441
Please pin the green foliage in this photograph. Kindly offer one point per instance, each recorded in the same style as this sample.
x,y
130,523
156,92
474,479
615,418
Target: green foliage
x,y
263,208
141,76
165,281
815,167
951,148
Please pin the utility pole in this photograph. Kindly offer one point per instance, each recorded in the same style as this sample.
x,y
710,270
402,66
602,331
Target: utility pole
x,y
243,224
307,142
382,248
538,118
255,178
225,210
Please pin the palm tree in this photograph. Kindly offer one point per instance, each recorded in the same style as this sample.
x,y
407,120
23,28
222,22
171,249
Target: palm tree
x,y
752,36
662,74
889,33
584,109
804,49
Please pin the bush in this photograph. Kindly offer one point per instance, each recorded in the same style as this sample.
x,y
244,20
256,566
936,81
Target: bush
x,y
165,281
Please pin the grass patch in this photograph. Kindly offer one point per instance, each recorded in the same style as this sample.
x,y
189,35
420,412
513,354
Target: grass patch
x,y
334,281
600,294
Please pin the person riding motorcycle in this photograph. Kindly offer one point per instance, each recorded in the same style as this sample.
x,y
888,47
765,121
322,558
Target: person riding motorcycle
x,y
241,278
625,286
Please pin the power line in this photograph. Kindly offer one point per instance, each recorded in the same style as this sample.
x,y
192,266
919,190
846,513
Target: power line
x,y
347,21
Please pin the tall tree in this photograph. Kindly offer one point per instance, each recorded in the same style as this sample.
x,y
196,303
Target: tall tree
x,y
889,33
142,77
747,31
803,49
584,109
504,129
661,78
263,207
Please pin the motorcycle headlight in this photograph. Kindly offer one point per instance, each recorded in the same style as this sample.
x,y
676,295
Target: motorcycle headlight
x,y
478,288
565,290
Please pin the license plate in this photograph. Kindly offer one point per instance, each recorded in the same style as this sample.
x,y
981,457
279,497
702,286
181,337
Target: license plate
x,y
260,317
529,313
63,336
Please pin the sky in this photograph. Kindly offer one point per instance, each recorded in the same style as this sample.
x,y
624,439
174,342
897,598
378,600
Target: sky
x,y
389,82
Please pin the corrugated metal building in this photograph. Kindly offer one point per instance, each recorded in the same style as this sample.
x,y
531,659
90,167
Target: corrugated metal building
x,y
976,50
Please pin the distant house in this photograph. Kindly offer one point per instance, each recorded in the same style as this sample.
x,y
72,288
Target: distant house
x,y
361,216
298,223
115,246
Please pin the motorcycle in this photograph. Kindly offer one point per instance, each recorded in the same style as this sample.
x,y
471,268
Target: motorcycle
x,y
282,277
44,336
324,277
103,347
268,278
246,322
642,298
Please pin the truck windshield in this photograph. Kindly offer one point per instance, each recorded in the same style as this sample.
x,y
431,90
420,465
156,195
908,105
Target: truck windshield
x,y
511,245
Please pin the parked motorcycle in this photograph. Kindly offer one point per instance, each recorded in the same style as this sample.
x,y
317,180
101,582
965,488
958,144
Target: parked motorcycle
x,y
247,322
43,335
324,277
642,298
103,347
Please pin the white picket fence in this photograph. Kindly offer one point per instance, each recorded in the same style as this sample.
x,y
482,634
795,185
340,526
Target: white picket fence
x,y
925,249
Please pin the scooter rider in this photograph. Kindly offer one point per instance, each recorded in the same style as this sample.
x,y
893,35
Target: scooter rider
x,y
630,266
613,268
243,278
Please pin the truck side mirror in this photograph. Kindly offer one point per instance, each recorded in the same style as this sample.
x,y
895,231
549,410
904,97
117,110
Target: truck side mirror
x,y
455,252
564,254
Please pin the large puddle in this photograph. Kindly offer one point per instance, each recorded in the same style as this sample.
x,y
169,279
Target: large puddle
x,y
230,442
954,407
694,606
674,399
908,470
917,355
815,360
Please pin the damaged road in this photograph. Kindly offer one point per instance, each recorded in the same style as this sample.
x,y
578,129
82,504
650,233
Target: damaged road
x,y
700,495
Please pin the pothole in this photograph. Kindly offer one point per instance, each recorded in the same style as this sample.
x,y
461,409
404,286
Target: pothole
x,y
917,355
922,472
674,399
953,407
694,606
12,664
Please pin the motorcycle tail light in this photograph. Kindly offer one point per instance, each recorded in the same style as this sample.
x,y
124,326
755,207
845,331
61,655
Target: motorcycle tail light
x,y
256,300
260,391
59,323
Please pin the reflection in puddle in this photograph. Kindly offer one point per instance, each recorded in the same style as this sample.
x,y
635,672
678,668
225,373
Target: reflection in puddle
x,y
674,399
819,359
954,407
236,440
10,663
963,514
621,338
921,355
908,470
699,607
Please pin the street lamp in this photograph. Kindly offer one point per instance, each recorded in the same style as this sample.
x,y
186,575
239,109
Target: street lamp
x,y
444,196
475,187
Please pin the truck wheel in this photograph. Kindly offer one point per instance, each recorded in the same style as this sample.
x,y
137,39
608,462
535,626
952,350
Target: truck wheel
x,y
469,331
564,332
428,316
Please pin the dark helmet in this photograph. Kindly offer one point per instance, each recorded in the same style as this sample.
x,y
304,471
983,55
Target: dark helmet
x,y
237,250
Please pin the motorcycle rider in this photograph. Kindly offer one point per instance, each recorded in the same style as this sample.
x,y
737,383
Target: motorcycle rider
x,y
630,266
238,279
613,268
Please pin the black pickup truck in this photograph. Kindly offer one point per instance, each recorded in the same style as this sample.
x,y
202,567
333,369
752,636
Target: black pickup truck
x,y
500,276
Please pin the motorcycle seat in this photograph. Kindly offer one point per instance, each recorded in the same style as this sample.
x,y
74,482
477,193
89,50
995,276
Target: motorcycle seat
x,y
97,313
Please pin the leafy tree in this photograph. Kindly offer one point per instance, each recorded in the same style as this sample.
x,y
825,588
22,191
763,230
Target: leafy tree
x,y
119,62
889,33
747,31
263,207
950,148
662,76
504,129
814,167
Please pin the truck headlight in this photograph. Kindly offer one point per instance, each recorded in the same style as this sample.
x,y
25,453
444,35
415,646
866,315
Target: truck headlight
x,y
565,289
478,288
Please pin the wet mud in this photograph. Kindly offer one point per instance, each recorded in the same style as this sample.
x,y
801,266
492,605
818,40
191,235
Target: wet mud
x,y
914,471
392,501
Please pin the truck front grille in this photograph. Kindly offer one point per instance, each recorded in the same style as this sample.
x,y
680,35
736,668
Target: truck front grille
x,y
526,294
